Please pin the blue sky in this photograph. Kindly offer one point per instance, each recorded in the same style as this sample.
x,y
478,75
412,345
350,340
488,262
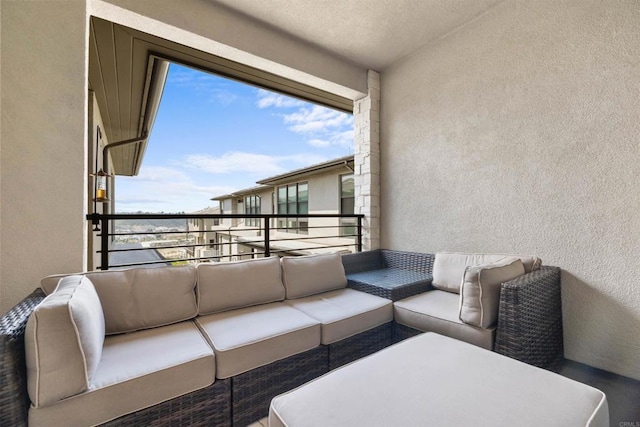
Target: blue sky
x,y
213,136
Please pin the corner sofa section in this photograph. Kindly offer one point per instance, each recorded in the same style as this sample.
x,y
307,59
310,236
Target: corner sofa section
x,y
506,303
139,344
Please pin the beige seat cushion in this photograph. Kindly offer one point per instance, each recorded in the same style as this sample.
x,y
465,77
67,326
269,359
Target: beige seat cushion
x,y
345,312
448,268
140,298
309,275
438,311
228,285
138,370
63,342
251,337
437,381
480,292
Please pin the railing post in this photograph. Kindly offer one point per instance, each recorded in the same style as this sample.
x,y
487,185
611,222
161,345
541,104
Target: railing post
x,y
267,249
104,244
359,234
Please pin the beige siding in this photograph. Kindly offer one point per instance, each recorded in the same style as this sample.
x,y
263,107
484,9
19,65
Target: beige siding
x,y
324,193
518,133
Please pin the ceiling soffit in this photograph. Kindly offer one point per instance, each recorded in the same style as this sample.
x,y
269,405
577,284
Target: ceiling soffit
x,y
371,33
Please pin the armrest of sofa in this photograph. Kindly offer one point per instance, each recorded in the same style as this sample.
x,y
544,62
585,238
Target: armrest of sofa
x,y
14,399
530,318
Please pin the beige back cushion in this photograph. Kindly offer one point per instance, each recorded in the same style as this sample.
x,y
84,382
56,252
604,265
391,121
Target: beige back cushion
x,y
141,298
313,274
448,268
480,291
228,285
63,341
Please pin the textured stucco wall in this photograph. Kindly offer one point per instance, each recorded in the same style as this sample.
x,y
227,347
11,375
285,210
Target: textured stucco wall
x,y
43,153
520,133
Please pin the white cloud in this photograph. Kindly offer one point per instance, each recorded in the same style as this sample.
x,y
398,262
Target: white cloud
x,y
233,162
320,127
160,188
344,138
317,119
320,143
252,163
270,99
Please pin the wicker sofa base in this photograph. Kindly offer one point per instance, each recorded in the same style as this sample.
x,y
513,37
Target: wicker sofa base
x,y
361,345
402,332
251,392
14,400
210,406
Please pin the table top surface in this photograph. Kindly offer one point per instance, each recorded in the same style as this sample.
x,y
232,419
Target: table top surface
x,y
390,278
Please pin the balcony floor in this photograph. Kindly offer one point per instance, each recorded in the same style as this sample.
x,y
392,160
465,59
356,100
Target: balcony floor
x,y
623,394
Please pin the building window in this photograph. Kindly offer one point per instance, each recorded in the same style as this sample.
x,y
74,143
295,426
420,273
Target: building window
x,y
347,205
294,199
252,207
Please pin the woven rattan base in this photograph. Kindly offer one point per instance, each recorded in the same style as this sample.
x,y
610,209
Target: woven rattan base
x,y
14,400
530,321
361,345
210,406
252,391
402,332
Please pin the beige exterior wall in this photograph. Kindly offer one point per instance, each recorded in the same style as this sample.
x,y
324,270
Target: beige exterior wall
x,y
324,193
43,152
519,134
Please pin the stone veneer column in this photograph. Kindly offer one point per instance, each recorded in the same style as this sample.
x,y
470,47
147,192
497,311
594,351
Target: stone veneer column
x,y
366,113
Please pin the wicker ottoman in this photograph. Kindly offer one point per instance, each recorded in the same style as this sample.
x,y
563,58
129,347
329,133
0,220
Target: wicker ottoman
x,y
435,380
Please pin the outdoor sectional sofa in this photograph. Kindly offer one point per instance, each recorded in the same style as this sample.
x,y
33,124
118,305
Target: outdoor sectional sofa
x,y
182,345
210,345
519,314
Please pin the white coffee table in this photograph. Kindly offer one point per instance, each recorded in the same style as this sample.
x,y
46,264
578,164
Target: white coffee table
x,y
432,380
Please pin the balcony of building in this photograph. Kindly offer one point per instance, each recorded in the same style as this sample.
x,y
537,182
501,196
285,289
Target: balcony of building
x,y
481,126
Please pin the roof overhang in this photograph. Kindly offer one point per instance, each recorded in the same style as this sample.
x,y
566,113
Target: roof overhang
x,y
244,192
342,162
127,80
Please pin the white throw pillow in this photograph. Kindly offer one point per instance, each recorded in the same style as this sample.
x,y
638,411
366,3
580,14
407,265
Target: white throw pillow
x,y
63,341
480,291
313,274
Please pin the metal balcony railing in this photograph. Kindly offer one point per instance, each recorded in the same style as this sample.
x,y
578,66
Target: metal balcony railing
x,y
219,237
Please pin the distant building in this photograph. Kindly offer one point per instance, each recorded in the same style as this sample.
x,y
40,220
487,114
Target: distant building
x,y
201,232
324,188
